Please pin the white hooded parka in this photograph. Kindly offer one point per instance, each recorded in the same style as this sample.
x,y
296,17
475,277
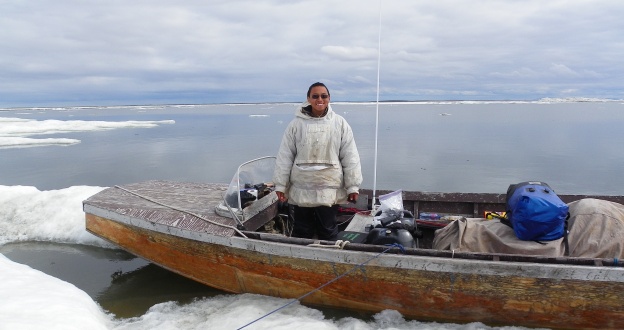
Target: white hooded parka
x,y
317,163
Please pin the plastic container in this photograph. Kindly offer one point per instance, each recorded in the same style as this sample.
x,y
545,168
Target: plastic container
x,y
429,216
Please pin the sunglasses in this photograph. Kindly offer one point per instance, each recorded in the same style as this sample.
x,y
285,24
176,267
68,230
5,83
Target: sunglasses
x,y
323,96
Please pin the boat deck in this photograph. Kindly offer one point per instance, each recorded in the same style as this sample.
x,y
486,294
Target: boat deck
x,y
160,202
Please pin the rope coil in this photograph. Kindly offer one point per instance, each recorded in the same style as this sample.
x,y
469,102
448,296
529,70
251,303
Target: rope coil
x,y
339,244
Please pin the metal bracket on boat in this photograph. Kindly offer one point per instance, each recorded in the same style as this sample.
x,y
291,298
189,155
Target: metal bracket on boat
x,y
240,225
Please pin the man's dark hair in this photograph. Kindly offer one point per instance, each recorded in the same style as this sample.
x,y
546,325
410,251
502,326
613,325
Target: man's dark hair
x,y
316,84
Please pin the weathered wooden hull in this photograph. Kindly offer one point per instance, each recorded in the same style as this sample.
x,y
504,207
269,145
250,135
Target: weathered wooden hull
x,y
420,287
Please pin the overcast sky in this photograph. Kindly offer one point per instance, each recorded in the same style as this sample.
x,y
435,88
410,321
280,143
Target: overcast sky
x,y
113,52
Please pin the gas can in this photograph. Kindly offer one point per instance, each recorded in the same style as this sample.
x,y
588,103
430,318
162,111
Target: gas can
x,y
383,236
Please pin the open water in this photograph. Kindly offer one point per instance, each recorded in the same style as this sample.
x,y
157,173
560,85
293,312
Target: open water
x,y
54,273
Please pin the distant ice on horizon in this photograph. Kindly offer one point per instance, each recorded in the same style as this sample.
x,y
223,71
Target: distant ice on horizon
x,y
17,132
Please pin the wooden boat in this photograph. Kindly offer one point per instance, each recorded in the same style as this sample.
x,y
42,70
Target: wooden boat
x,y
181,227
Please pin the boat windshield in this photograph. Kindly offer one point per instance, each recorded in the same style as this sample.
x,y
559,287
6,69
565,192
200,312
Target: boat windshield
x,y
250,182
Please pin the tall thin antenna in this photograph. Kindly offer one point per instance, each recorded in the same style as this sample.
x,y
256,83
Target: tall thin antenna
x,y
374,203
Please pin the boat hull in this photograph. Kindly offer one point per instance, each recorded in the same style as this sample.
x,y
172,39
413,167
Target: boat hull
x,y
419,287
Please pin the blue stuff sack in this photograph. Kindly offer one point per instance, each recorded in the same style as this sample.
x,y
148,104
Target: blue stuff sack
x,y
535,212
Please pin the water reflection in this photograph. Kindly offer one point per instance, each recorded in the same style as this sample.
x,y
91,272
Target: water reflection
x,y
133,293
121,283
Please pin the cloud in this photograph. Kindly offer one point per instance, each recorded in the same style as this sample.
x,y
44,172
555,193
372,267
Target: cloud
x,y
563,70
350,53
162,51
519,73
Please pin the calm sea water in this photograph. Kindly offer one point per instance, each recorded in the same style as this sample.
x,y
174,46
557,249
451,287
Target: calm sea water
x,y
445,147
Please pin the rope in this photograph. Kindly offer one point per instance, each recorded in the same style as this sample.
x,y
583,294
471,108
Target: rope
x,y
349,219
180,210
337,245
391,246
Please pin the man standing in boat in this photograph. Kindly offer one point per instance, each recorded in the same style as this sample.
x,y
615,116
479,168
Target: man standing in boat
x,y
317,166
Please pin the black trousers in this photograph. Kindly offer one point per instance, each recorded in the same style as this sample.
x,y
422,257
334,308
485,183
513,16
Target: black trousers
x,y
319,220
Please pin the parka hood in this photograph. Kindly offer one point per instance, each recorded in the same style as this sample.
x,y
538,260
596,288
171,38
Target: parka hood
x,y
301,113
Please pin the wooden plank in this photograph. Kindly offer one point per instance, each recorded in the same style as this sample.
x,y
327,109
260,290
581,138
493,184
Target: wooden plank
x,y
467,203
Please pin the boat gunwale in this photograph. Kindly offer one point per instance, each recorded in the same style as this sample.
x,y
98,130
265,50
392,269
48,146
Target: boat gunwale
x,y
458,262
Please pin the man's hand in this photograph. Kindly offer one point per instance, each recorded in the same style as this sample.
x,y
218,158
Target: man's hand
x,y
353,197
280,196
